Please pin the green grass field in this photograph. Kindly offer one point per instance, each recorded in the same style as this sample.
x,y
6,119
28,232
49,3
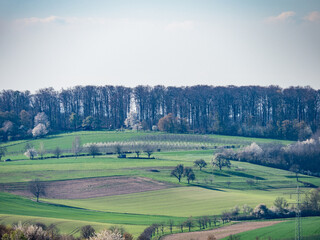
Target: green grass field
x,y
16,205
284,230
212,192
178,202
64,140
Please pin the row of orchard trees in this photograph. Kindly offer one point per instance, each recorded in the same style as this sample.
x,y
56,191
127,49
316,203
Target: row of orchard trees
x,y
289,113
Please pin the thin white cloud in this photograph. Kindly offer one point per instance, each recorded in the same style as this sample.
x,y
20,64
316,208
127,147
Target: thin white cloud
x,y
62,20
313,17
282,17
35,20
185,25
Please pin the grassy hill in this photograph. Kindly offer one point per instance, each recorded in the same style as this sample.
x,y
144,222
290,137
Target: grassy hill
x,y
212,192
285,230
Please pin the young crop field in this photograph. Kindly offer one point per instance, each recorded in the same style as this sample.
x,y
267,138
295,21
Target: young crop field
x,y
135,192
178,202
285,230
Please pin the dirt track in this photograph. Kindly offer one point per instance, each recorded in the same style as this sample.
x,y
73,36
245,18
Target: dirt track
x,y
90,187
220,232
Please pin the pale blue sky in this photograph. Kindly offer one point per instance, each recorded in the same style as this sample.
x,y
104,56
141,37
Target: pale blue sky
x,y
61,44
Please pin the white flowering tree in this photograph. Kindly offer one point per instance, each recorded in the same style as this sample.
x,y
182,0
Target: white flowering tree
x,y
253,149
107,235
40,130
31,153
41,118
132,121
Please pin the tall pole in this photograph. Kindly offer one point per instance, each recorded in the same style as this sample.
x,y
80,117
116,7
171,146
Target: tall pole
x,y
298,216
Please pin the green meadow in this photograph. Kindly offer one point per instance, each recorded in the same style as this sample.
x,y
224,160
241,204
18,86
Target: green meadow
x,y
285,230
211,193
64,140
178,202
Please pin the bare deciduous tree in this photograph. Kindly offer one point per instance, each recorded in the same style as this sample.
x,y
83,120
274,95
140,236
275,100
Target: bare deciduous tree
x,y
215,220
181,226
137,151
221,161
170,224
189,223
295,169
87,231
76,146
93,150
281,204
41,150
178,172
57,152
200,163
3,151
189,174
118,150
149,150
37,188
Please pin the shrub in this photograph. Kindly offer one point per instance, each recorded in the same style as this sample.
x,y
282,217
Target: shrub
x,y
107,235
261,211
281,204
211,237
87,231
4,230
14,235
118,229
29,232
247,209
127,236
235,211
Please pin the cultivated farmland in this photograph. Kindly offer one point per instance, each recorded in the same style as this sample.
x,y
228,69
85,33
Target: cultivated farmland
x,y
134,192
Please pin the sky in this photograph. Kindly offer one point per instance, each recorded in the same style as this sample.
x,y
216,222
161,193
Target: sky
x,y
64,43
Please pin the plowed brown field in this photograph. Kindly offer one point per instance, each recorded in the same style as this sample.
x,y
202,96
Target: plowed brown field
x,y
90,187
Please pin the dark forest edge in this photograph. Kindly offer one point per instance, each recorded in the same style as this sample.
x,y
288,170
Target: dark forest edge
x,y
254,111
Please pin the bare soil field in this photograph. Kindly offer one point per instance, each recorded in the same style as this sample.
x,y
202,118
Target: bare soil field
x,y
89,187
222,232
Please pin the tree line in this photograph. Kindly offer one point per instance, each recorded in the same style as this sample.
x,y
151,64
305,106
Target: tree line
x,y
290,113
40,231
298,157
